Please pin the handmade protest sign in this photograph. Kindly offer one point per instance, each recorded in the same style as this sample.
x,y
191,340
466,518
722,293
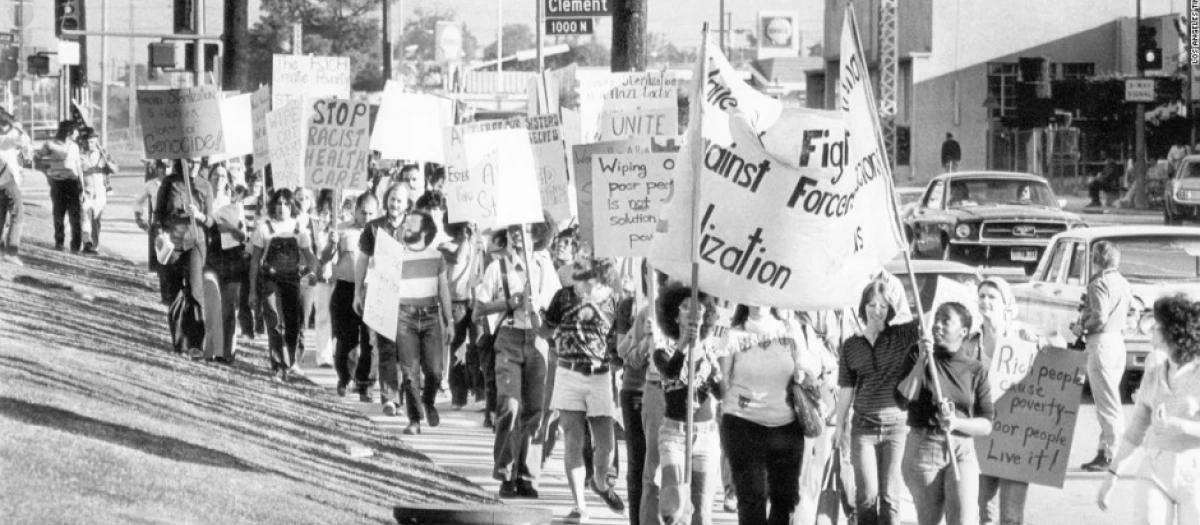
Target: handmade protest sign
x,y
286,135
806,234
260,105
336,148
616,106
408,125
381,306
1035,412
503,159
181,123
549,152
581,157
468,196
630,190
297,76
238,126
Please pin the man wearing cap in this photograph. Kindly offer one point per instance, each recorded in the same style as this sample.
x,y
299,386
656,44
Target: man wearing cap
x,y
14,143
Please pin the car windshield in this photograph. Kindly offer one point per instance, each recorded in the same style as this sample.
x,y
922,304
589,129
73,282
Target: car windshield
x,y
995,192
1159,258
928,283
1191,170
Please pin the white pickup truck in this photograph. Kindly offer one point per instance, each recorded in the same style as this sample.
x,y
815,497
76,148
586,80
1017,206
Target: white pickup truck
x,y
1157,261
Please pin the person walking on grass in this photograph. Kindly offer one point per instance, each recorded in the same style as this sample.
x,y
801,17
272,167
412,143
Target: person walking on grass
x,y
183,216
60,160
14,145
96,166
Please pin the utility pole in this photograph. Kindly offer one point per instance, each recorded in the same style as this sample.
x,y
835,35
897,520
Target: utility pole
x,y
629,36
721,30
103,74
235,70
541,28
198,16
387,40
1139,129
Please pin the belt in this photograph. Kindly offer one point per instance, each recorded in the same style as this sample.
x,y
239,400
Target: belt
x,y
584,368
698,426
419,309
655,384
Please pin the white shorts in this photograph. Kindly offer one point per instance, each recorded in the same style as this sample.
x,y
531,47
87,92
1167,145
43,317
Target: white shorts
x,y
592,395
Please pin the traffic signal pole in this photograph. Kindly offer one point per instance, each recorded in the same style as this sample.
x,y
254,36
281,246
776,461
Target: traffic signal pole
x,y
1139,132
198,16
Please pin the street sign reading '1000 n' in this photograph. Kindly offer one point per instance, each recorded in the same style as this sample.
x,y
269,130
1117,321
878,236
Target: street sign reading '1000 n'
x,y
569,26
1139,90
577,8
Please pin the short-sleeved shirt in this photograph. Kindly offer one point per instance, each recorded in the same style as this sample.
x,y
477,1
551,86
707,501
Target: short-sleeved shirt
x,y
964,381
875,371
707,374
13,145
375,228
1108,298
544,285
582,329
761,365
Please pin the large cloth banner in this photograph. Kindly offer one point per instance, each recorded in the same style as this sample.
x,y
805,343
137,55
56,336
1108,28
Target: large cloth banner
x,y
286,135
789,213
550,156
469,197
1037,402
260,105
404,124
581,157
503,160
381,306
336,149
181,123
616,106
296,76
631,190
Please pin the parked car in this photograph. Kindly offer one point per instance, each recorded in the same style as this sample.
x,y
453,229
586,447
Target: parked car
x,y
994,218
927,273
1181,193
1157,261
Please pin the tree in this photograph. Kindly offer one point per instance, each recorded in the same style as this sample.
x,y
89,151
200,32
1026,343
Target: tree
x,y
517,37
331,28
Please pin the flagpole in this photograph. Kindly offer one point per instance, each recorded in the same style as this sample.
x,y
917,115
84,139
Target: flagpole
x,y
912,277
697,152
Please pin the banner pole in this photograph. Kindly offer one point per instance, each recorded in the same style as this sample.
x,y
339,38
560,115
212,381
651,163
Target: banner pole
x,y
698,154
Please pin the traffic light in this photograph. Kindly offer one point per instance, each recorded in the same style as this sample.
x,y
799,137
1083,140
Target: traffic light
x,y
1149,54
185,17
68,16
38,65
903,145
211,52
162,54
10,65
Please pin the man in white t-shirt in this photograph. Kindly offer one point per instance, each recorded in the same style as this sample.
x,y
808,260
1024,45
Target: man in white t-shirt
x,y
14,143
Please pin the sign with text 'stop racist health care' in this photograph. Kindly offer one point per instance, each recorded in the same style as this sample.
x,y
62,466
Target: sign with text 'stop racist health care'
x,y
336,152
577,8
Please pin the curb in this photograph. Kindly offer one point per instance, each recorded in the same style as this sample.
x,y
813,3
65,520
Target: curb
x,y
460,514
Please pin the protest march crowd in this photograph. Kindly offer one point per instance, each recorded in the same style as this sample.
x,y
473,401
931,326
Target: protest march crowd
x,y
819,401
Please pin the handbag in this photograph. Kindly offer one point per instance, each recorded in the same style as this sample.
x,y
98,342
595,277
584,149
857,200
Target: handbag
x,y
805,401
833,502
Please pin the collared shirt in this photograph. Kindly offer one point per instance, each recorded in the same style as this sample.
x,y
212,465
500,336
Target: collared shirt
x,y
874,371
1108,298
1175,388
544,284
465,271
62,159
964,381
13,145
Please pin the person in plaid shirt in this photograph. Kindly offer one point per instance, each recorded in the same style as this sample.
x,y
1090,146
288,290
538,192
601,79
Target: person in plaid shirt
x,y
582,317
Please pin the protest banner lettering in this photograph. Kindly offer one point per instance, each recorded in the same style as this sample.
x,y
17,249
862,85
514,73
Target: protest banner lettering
x,y
286,135
631,190
404,124
1035,411
468,196
581,158
765,232
260,105
502,161
297,76
616,106
238,127
381,306
550,156
336,149
181,123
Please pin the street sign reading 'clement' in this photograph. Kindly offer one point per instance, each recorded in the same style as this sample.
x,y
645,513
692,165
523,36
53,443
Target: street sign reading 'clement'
x,y
577,8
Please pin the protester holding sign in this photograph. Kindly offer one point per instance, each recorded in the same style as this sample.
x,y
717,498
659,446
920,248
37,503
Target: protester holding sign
x,y
96,167
319,223
15,145
945,426
348,327
1166,422
227,255
280,259
59,159
182,217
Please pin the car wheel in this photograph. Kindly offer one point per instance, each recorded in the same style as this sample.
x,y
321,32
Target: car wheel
x,y
1168,218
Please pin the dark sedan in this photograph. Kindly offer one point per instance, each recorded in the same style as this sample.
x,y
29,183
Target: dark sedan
x,y
992,218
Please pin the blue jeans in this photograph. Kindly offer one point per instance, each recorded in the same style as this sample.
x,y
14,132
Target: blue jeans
x,y
765,463
876,448
520,388
654,407
422,350
281,313
935,489
1001,501
677,503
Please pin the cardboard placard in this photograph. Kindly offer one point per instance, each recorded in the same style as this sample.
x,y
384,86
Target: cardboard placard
x,y
616,106
581,158
631,190
1035,412
297,76
503,160
468,195
236,117
336,150
286,135
260,105
549,151
181,123
408,125
381,306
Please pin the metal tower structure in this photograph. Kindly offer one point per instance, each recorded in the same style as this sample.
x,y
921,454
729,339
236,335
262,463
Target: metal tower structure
x,y
887,75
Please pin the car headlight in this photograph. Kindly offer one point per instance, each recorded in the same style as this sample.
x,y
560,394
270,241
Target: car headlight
x,y
963,231
1079,225
1146,324
1133,321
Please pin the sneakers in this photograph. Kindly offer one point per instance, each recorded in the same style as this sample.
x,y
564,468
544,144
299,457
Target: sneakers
x,y
413,428
431,415
389,409
609,496
577,515
364,395
1101,463
525,490
341,390
508,489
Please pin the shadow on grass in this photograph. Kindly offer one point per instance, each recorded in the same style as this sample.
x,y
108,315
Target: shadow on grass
x,y
132,438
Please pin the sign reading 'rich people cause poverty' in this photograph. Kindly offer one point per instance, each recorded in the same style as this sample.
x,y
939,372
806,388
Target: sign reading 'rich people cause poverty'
x,y
1037,398
336,151
181,123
